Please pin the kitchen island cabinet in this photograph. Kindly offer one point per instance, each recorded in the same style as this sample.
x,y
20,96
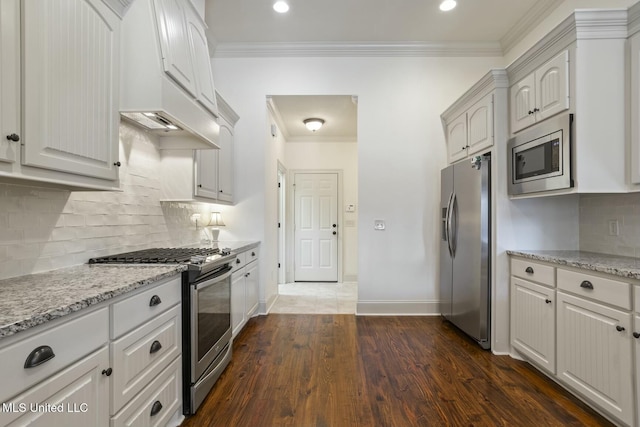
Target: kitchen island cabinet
x,y
67,133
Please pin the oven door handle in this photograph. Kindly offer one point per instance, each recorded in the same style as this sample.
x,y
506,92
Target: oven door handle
x,y
213,280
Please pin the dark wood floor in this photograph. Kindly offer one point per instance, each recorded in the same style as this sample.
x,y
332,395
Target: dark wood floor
x,y
343,371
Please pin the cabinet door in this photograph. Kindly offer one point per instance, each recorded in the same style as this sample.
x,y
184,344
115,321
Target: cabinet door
x,y
634,43
174,43
594,354
9,79
552,87
533,322
480,125
237,300
71,73
205,93
206,174
521,104
225,163
79,393
457,138
251,289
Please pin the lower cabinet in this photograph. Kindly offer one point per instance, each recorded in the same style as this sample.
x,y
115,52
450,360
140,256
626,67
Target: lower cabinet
x,y
118,364
533,322
594,354
244,289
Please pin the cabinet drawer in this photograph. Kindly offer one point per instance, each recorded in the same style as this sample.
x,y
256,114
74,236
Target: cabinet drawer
x,y
533,271
69,341
144,306
142,354
240,261
156,404
252,255
598,288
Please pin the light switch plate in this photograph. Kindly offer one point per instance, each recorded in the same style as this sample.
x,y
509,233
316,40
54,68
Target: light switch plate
x,y
350,207
378,224
613,227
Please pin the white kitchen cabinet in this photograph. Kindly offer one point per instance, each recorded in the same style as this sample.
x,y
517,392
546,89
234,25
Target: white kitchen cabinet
x,y
9,81
636,348
541,94
594,354
472,131
68,133
244,289
205,92
77,396
203,175
533,322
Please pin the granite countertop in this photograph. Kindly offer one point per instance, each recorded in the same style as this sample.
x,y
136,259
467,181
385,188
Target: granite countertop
x,y
236,246
604,263
31,300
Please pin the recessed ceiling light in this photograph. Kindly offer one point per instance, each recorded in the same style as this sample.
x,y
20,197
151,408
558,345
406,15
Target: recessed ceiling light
x,y
447,5
281,6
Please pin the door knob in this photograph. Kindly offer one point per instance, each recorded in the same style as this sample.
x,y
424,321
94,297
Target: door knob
x,y
13,137
334,233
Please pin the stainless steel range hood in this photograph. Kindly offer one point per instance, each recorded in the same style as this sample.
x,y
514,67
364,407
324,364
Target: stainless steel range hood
x,y
152,100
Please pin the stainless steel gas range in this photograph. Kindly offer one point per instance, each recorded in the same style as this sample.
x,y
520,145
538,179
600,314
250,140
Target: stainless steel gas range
x,y
206,312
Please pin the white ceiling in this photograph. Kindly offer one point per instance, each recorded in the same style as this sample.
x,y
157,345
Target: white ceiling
x,y
241,27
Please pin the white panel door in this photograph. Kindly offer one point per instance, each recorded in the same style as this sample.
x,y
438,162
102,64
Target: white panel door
x,y
480,125
174,42
521,103
206,174
205,93
71,51
457,138
552,87
9,80
225,163
316,227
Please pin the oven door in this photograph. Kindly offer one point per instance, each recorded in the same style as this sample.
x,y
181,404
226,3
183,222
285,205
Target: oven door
x,y
210,320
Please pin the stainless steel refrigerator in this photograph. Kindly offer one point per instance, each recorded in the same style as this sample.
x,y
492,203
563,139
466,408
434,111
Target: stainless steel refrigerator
x,y
465,252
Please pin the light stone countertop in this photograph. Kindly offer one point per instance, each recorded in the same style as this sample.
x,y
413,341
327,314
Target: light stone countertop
x,y
28,301
611,264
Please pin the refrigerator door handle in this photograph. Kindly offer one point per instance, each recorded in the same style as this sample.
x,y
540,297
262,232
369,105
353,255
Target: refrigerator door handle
x,y
447,228
453,225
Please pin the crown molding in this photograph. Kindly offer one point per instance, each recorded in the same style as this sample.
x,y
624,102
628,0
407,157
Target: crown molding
x,y
494,79
225,110
634,19
540,10
322,140
339,49
278,118
601,24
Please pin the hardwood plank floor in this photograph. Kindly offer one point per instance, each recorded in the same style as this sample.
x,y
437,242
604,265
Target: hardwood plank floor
x,y
343,371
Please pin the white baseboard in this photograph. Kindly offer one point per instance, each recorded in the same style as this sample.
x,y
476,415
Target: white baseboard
x,y
398,308
350,278
265,307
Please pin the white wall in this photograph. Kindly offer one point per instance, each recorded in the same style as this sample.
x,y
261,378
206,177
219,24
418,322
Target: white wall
x,y
334,156
401,150
44,228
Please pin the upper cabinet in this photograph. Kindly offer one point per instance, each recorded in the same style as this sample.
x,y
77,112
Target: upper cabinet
x,y
59,104
205,92
469,122
541,94
634,89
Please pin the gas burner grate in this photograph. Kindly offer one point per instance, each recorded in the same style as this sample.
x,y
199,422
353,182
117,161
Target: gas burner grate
x,y
155,256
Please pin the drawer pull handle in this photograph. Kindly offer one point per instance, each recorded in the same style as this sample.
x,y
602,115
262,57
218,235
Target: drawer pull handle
x,y
529,270
586,284
238,261
155,300
253,254
619,328
155,347
156,407
548,301
38,356
636,335
107,372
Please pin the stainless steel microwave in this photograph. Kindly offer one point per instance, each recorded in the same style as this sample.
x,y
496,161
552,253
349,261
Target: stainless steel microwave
x,y
540,158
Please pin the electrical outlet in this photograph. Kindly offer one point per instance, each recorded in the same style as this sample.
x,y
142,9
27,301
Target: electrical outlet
x,y
613,227
378,224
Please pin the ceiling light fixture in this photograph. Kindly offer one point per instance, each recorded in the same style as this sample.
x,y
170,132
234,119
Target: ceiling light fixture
x,y
281,6
313,124
447,5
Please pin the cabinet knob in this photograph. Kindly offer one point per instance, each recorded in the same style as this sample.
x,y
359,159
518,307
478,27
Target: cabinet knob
x,y
586,284
200,185
253,254
247,275
118,164
107,372
548,301
13,137
529,270
155,347
221,191
535,110
530,112
334,233
636,335
155,300
38,356
619,328
237,261
156,407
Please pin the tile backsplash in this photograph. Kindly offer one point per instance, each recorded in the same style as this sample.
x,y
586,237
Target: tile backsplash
x,y
45,228
601,214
